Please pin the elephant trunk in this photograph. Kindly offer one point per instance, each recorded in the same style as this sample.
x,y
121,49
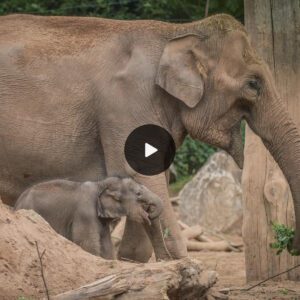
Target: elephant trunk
x,y
281,137
155,205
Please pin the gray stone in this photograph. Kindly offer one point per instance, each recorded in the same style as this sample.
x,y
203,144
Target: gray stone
x,y
213,198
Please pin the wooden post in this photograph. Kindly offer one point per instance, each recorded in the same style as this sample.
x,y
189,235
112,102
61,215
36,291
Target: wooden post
x,y
274,28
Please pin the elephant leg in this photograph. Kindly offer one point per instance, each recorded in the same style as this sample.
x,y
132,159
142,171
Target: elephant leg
x,y
90,235
164,232
129,248
85,236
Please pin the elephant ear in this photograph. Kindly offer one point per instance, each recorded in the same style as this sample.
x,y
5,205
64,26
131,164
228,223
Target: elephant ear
x,y
181,72
109,205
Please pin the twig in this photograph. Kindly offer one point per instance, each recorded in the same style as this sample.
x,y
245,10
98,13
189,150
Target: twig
x,y
42,268
263,281
43,254
259,283
163,239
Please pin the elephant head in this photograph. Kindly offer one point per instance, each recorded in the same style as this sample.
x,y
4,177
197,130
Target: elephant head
x,y
125,197
216,80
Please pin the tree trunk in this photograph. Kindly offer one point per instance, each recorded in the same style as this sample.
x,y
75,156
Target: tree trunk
x,y
274,28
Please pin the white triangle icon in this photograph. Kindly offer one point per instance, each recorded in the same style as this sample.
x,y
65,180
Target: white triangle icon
x,y
149,150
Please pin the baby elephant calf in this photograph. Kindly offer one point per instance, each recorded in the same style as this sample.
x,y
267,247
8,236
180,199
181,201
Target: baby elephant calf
x,y
82,212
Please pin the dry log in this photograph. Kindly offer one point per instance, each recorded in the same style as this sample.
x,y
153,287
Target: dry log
x,y
203,238
186,228
166,280
212,246
192,232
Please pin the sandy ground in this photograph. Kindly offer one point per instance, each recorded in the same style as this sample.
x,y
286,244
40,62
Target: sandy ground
x,y
67,265
231,269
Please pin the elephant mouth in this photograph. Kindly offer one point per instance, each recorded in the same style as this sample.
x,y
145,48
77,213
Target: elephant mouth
x,y
150,210
231,140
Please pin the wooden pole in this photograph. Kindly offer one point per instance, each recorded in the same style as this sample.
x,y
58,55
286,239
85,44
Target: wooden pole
x,y
274,28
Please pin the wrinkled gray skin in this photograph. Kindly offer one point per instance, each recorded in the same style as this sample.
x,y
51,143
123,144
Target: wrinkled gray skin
x,y
82,212
72,90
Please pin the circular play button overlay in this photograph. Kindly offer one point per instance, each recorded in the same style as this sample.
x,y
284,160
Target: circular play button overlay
x,y
149,149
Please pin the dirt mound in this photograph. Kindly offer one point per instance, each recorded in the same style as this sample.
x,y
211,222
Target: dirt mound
x,y
66,266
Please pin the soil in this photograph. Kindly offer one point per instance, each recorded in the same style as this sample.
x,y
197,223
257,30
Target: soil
x,y
68,266
231,269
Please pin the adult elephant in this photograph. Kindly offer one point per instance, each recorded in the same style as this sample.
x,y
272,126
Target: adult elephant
x,y
72,89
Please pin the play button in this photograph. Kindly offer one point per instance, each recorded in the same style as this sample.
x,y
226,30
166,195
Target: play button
x,y
149,149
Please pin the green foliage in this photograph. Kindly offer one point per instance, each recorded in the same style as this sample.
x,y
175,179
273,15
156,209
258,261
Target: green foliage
x,y
170,10
191,156
284,239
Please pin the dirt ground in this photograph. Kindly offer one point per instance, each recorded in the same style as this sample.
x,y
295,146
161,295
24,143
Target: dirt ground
x,y
231,269
67,266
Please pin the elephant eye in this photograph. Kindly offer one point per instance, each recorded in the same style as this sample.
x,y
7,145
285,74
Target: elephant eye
x,y
139,194
254,84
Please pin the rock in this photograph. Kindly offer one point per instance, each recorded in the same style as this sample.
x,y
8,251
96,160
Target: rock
x,y
213,198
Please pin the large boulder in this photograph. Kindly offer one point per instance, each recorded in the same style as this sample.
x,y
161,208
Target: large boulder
x,y
213,198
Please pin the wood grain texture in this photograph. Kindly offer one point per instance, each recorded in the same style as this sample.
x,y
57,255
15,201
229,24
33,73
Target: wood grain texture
x,y
274,29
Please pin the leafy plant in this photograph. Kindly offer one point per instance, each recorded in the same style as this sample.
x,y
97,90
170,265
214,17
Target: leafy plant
x,y
191,156
284,239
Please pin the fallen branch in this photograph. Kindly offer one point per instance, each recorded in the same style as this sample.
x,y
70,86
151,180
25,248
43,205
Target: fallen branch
x,y
272,277
192,232
203,238
165,280
42,268
227,290
211,246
